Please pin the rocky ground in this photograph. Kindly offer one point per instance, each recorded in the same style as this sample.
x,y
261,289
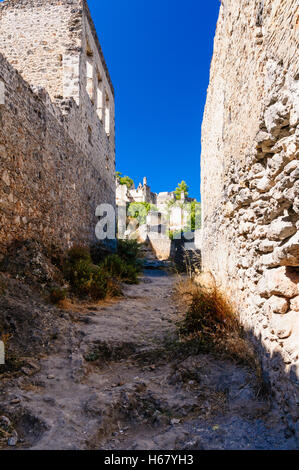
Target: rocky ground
x,y
115,378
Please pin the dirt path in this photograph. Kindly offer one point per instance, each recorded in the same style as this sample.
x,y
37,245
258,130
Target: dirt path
x,y
117,382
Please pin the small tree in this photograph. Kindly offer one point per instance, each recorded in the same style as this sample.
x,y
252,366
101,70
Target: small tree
x,y
182,187
140,210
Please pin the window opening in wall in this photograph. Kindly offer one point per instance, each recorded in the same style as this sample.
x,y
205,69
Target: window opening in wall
x,y
107,115
100,104
89,132
89,73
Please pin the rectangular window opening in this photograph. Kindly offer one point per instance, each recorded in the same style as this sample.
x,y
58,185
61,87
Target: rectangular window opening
x,y
89,77
100,104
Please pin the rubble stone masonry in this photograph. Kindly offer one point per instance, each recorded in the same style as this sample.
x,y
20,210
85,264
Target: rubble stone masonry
x,y
250,187
57,145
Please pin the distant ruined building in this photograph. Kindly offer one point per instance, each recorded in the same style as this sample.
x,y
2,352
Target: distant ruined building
x,y
250,180
167,215
57,142
143,193
173,220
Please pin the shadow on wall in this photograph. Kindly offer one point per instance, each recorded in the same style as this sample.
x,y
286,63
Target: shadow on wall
x,y
281,382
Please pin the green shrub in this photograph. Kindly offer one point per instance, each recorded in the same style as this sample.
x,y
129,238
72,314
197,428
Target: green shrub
x,y
175,234
79,274
99,280
85,278
140,210
124,180
75,254
99,252
131,276
99,285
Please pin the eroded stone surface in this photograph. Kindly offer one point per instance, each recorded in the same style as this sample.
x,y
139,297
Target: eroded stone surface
x,y
115,380
57,150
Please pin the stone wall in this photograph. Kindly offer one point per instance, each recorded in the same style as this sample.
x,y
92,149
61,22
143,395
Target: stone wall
x,y
250,172
50,43
49,189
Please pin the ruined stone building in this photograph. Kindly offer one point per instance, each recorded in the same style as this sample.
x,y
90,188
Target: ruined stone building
x,y
167,215
57,145
250,187
160,201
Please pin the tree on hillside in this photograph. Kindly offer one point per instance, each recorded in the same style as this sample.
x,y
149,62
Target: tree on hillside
x,y
124,180
181,187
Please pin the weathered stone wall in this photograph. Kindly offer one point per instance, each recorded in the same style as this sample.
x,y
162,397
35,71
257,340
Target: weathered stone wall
x,y
50,42
49,189
250,172
57,144
35,36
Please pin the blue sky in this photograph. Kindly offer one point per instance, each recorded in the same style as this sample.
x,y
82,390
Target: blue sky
x,y
158,53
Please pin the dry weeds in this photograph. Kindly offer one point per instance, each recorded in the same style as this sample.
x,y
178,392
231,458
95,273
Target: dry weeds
x,y
210,318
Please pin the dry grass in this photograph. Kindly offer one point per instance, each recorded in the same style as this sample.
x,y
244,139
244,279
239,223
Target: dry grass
x,y
211,320
84,306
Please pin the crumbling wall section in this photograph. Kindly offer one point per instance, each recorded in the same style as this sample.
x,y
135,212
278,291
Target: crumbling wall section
x,y
250,187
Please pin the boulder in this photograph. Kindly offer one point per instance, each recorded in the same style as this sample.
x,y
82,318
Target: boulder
x,y
282,281
277,305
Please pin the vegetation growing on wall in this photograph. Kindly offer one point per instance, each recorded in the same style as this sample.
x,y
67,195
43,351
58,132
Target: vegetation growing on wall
x,y
195,216
91,279
140,210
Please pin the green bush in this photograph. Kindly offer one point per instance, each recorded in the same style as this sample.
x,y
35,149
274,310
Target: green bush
x,y
75,254
57,294
100,284
99,252
120,269
131,276
140,210
124,180
85,278
80,277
